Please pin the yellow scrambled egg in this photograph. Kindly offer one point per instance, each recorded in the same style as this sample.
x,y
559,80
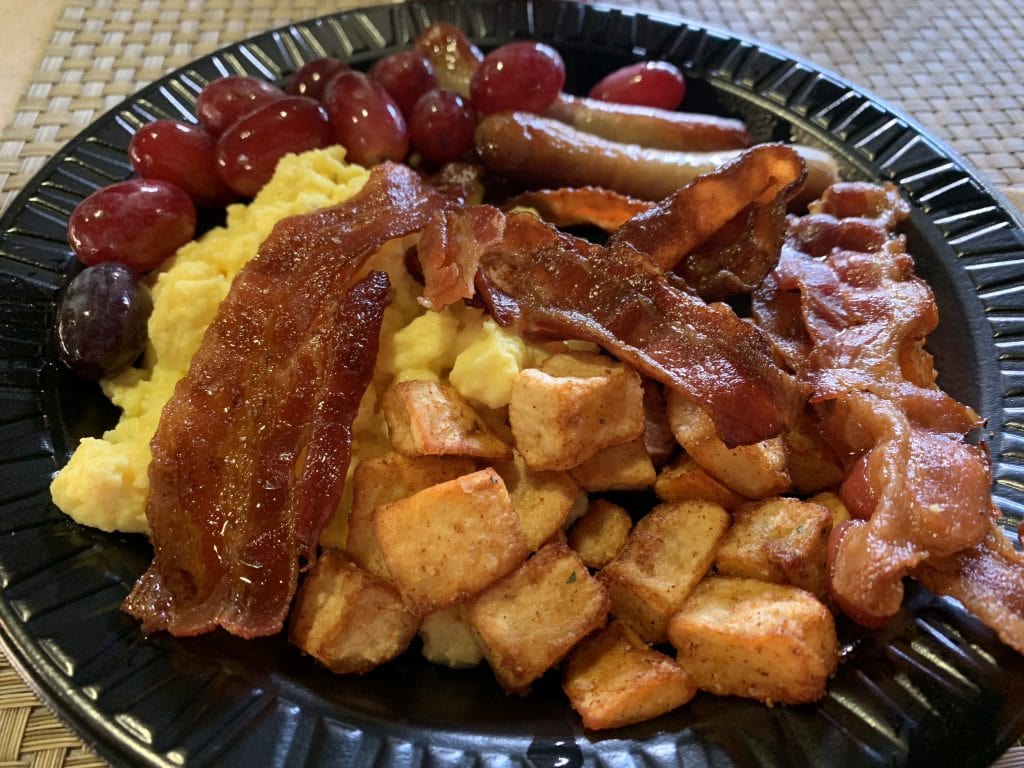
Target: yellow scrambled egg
x,y
106,482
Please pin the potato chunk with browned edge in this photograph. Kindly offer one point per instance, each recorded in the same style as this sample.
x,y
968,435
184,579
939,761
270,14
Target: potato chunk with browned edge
x,y
530,620
577,405
348,619
780,540
601,533
743,637
685,480
428,419
382,480
622,467
541,499
669,551
450,540
613,678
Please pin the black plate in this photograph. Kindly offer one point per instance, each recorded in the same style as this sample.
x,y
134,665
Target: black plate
x,y
934,688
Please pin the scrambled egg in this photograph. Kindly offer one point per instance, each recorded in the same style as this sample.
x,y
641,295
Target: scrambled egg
x,y
106,482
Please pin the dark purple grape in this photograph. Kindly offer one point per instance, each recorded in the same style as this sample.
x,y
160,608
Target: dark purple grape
x,y
406,75
101,320
226,101
248,151
441,126
312,76
366,120
522,76
646,84
138,222
183,154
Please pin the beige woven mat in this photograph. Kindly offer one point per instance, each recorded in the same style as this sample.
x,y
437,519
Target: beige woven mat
x,y
950,63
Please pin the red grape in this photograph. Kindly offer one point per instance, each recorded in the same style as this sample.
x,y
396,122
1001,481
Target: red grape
x,y
183,154
101,320
441,126
226,101
248,151
313,76
646,84
522,76
366,120
406,76
138,222
452,55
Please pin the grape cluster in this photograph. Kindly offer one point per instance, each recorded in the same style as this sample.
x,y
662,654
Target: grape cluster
x,y
425,100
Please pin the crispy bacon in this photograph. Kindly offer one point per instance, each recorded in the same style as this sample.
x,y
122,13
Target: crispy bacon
x,y
572,206
449,250
846,311
251,452
549,284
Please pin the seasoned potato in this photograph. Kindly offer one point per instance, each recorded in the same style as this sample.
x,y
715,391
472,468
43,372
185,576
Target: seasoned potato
x,y
622,467
347,619
601,533
834,504
428,419
742,637
561,419
613,678
449,541
541,499
669,551
658,438
780,540
530,620
754,471
385,479
686,480
448,639
812,464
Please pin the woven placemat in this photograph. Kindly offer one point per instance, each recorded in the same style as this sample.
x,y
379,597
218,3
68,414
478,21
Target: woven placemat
x,y
950,63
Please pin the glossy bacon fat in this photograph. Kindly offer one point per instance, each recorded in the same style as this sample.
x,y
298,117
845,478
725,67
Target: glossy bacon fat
x,y
847,312
251,452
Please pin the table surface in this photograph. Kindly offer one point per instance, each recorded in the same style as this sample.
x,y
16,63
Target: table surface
x,y
950,64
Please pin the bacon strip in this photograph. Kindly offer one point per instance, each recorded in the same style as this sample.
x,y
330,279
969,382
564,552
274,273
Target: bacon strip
x,y
572,206
549,284
251,452
846,311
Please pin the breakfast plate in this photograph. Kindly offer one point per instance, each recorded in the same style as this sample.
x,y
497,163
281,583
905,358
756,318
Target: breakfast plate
x,y
933,688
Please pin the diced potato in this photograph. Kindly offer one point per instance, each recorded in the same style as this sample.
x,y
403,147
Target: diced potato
x,y
584,365
561,420
742,637
347,619
754,471
686,480
669,551
530,620
601,533
658,438
448,640
428,419
781,540
622,467
451,540
541,499
834,504
613,679
385,479
811,462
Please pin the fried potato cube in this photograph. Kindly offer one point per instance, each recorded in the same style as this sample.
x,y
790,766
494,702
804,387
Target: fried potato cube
x,y
530,620
742,637
658,438
541,499
448,640
601,533
686,480
811,462
451,540
668,553
348,619
834,504
622,467
754,471
428,419
382,480
781,540
613,679
562,419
